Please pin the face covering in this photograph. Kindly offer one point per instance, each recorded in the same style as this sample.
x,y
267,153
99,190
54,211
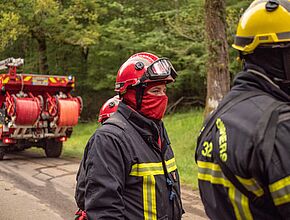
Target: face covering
x,y
152,106
275,62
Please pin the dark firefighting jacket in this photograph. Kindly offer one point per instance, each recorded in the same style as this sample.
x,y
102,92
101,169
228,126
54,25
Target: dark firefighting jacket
x,y
261,167
125,174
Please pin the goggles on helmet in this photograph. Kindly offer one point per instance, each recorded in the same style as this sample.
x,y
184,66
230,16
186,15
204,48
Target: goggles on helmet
x,y
160,69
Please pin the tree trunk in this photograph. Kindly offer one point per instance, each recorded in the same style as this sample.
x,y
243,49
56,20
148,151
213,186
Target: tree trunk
x,y
218,77
43,66
84,61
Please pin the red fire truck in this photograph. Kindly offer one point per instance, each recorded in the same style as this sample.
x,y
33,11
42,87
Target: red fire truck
x,y
35,110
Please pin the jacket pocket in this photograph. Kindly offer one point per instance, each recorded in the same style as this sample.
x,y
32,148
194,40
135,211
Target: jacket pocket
x,y
163,218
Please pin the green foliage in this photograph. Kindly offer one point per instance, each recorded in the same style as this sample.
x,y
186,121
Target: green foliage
x,y
92,38
10,28
234,12
74,146
78,23
183,130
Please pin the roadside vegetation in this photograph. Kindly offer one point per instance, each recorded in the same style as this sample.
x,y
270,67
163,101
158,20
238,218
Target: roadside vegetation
x,y
183,129
90,39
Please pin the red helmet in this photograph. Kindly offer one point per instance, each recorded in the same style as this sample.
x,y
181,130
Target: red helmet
x,y
108,108
141,68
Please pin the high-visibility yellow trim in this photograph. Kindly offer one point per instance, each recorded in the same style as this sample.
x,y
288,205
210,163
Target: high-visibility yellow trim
x,y
280,191
246,208
6,80
153,199
148,172
282,200
211,172
149,198
158,164
146,165
208,165
214,180
52,79
246,181
232,195
279,184
145,197
145,169
251,182
27,78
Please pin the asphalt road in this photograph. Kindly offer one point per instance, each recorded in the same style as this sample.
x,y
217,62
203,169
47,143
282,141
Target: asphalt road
x,y
34,187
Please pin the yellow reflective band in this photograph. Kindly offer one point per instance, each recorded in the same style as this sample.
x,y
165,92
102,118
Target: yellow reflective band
x,y
245,208
145,197
145,169
279,184
282,200
52,79
6,80
214,180
27,78
211,172
148,172
241,204
171,165
280,191
149,198
208,165
251,185
232,194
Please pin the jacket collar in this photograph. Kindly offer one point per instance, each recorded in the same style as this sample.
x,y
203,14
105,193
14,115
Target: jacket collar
x,y
149,130
255,78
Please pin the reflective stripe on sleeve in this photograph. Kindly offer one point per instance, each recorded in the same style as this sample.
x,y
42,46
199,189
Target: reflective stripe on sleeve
x,y
280,191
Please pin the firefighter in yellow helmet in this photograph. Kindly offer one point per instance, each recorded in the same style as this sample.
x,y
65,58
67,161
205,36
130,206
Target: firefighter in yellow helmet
x,y
243,152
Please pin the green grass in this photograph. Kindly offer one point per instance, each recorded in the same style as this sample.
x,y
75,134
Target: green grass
x,y
182,128
74,146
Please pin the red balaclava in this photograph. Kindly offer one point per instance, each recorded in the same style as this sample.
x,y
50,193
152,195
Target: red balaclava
x,y
152,106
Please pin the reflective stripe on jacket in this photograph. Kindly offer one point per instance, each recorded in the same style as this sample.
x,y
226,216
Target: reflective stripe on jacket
x,y
263,173
125,175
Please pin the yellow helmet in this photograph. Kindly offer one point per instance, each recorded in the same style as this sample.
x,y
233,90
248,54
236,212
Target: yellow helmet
x,y
264,22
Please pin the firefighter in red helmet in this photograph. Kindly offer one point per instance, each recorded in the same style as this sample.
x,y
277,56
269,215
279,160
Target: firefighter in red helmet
x,y
129,166
108,108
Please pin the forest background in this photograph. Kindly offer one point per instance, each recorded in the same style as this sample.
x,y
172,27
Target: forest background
x,y
90,39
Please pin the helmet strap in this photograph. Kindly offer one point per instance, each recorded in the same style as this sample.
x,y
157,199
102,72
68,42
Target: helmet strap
x,y
139,95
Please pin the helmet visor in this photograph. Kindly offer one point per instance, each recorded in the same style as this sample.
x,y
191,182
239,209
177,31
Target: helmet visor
x,y
161,69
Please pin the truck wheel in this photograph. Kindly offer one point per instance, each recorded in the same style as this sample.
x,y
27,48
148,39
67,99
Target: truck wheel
x,y
2,153
53,148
